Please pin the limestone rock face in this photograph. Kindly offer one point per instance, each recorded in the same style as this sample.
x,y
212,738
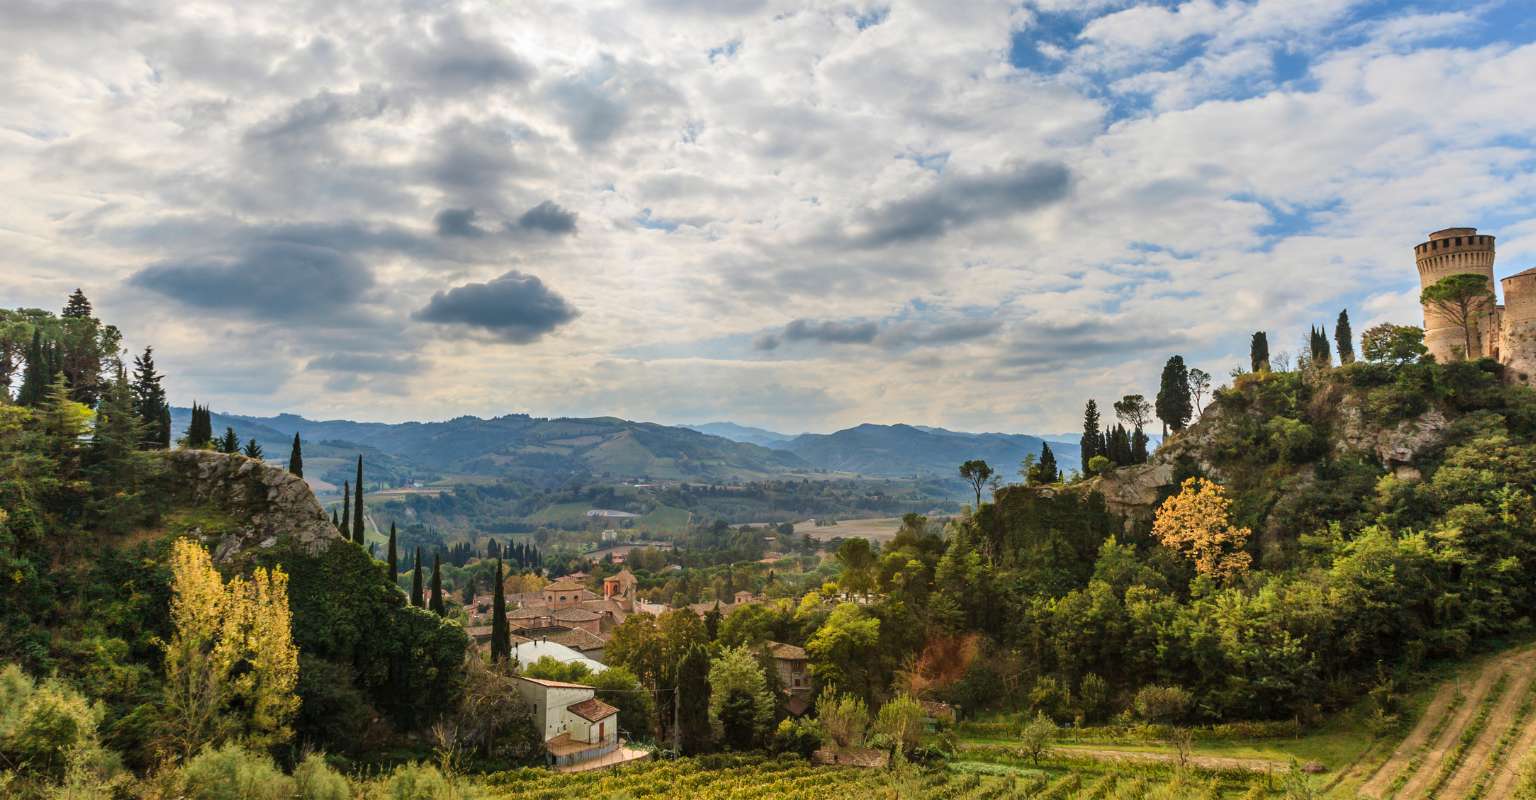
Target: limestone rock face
x,y
1404,444
1132,492
270,503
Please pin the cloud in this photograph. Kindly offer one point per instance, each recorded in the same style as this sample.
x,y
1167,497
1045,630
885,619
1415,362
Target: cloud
x,y
367,363
549,218
515,308
452,60
268,279
317,114
957,201
457,222
821,332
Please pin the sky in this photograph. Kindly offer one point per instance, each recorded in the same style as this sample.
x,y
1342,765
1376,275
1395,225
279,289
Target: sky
x,y
798,215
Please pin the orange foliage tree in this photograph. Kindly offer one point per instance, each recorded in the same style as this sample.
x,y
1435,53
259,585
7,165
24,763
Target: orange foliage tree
x,y
1197,522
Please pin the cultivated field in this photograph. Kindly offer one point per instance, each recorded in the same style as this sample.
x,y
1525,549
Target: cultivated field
x,y
882,529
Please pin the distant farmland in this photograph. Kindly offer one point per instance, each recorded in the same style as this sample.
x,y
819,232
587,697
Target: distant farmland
x,y
882,529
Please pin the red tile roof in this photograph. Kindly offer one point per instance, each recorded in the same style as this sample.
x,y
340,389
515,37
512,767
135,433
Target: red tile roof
x,y
788,652
592,709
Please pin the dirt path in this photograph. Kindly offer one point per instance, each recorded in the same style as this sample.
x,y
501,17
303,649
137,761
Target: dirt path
x,y
1521,669
1203,762
1502,718
1505,774
1376,786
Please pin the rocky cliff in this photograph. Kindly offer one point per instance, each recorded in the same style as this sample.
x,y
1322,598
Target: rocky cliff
x,y
267,503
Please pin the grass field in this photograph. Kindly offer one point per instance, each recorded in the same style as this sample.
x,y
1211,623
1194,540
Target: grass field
x,y
882,529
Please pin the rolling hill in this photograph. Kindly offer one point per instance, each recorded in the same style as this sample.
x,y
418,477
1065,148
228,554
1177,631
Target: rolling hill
x,y
891,450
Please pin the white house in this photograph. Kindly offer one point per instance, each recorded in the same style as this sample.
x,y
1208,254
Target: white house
x,y
533,650
576,725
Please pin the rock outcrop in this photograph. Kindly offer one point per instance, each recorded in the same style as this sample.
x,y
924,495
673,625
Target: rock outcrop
x,y
270,504
1133,492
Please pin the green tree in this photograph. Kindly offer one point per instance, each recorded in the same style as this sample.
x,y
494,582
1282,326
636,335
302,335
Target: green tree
x,y
501,635
418,598
1343,338
296,458
1044,470
199,433
1317,345
1092,442
1393,344
900,723
858,561
439,607
693,728
1035,738
1464,300
1258,352
346,511
38,373
1199,385
845,649
150,401
619,687
976,472
1174,406
253,449
734,671
843,717
1135,411
358,531
230,442
394,559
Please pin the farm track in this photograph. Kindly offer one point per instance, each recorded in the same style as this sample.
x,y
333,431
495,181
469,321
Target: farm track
x,y
1430,755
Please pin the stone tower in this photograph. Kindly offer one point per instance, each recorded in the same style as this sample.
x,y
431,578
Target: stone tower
x,y
1517,331
1455,251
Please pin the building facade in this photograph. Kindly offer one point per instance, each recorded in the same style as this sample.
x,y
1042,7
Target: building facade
x,y
1504,331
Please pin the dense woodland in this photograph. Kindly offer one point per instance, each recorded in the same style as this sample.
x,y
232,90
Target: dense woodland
x,y
1282,574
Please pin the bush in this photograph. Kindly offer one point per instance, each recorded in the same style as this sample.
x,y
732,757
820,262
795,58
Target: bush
x,y
48,728
416,782
1162,704
800,736
316,780
233,773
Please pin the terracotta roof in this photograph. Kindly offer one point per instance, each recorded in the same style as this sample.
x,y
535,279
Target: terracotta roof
x,y
553,684
564,585
576,615
527,613
579,639
592,709
787,652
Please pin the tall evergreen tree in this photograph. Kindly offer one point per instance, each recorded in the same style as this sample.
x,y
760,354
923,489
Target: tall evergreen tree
x,y
1047,470
358,534
149,401
1344,338
38,374
1092,442
253,449
1318,344
1174,405
1138,447
230,442
334,521
394,562
346,511
296,458
417,598
77,307
693,732
1258,351
501,636
199,432
439,607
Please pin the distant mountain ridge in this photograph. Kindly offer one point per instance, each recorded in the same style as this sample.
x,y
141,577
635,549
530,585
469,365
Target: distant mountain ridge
x,y
547,451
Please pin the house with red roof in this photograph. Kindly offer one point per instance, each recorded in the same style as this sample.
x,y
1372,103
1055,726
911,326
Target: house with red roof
x,y
576,726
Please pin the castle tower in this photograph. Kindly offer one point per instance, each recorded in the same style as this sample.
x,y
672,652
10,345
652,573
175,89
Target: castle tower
x,y
1453,251
1517,332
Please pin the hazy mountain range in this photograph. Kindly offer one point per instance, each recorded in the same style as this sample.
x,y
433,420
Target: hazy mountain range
x,y
552,450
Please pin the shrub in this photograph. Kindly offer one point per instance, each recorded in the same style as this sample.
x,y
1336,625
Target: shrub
x,y
1164,704
316,780
416,782
49,728
800,736
233,773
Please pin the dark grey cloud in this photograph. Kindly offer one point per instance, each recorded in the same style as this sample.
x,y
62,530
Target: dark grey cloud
x,y
549,218
453,60
514,308
266,280
820,332
457,222
367,363
912,334
316,115
475,158
592,114
957,201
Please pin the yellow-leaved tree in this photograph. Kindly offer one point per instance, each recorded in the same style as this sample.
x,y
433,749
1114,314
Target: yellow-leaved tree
x,y
1197,522
231,665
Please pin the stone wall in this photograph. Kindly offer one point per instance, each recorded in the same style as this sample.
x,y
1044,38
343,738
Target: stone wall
x,y
269,503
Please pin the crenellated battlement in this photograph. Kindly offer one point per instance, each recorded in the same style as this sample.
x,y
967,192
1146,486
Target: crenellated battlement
x,y
1506,332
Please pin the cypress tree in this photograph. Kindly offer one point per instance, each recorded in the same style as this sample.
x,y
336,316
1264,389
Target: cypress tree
x,y
357,505
1318,345
1138,447
296,458
417,598
37,375
200,428
253,449
335,522
149,401
1258,351
78,307
693,702
1174,405
501,637
1049,473
1092,442
469,589
439,607
394,563
230,442
346,511
1344,339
